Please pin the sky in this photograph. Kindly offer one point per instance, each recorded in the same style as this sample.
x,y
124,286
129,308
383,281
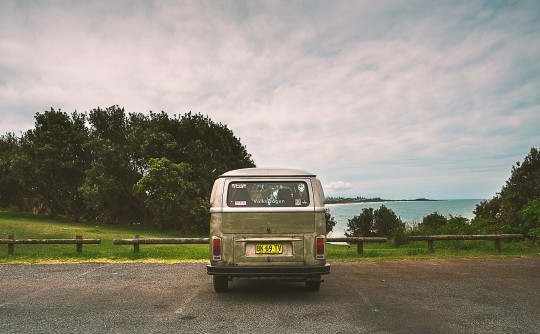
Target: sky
x,y
391,99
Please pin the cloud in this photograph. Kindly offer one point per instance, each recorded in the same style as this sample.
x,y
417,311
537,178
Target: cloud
x,y
416,93
338,186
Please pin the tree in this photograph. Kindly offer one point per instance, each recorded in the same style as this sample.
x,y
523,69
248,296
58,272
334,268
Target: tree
x,y
521,188
210,149
116,166
172,196
362,225
385,222
52,161
11,192
382,222
330,221
432,223
531,219
458,225
487,216
502,212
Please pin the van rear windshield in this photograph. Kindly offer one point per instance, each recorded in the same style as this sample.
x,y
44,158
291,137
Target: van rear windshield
x,y
267,194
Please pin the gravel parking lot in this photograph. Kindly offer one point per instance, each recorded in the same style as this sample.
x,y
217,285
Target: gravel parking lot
x,y
436,296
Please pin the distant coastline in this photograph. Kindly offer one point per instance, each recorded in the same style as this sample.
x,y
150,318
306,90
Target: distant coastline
x,y
349,200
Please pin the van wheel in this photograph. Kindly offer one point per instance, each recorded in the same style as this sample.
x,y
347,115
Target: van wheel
x,y
221,283
313,285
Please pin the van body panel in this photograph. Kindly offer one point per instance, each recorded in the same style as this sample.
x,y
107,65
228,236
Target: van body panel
x,y
268,222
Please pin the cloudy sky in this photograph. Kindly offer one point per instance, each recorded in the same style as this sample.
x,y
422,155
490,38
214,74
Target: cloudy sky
x,y
397,99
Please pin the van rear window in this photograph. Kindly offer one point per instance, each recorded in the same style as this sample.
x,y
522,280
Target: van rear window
x,y
267,194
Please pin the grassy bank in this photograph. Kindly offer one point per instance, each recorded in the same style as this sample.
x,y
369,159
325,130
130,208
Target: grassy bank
x,y
24,225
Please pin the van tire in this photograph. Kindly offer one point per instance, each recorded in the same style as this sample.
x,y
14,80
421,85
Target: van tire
x,y
313,285
221,283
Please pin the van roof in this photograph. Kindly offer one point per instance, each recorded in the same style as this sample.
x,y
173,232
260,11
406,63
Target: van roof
x,y
257,172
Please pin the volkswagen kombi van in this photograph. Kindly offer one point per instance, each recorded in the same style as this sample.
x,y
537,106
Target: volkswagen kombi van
x,y
267,223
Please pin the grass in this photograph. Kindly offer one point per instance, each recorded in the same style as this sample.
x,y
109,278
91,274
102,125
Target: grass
x,y
30,226
443,250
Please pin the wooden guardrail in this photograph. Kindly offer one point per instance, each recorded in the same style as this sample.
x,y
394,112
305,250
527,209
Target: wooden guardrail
x,y
136,241
78,241
496,237
359,241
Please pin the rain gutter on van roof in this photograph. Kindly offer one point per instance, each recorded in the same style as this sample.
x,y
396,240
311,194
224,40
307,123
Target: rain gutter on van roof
x,y
258,172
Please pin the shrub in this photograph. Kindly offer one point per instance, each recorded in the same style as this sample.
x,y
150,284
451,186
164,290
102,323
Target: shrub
x,y
382,222
330,221
432,223
399,238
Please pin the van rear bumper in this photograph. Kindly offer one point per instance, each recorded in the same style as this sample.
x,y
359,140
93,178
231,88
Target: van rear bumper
x,y
268,271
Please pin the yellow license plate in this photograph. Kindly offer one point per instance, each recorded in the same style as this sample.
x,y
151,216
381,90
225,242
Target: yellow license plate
x,y
268,249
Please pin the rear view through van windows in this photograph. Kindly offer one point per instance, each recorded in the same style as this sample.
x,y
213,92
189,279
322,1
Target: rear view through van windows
x,y
268,194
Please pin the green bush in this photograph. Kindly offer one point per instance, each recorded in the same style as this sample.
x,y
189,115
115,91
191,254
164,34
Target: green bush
x,y
432,223
399,238
382,222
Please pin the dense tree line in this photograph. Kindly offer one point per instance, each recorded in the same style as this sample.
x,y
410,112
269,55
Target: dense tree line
x,y
119,168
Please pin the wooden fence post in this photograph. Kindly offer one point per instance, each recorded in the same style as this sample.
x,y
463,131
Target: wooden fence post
x,y
360,248
498,245
10,247
430,247
79,245
136,245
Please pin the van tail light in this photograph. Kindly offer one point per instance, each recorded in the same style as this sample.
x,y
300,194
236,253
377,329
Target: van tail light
x,y
320,244
216,248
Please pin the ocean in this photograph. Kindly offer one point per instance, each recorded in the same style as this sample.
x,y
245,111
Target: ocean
x,y
410,212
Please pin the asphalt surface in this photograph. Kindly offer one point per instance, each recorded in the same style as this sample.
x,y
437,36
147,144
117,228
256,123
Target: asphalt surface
x,y
439,296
